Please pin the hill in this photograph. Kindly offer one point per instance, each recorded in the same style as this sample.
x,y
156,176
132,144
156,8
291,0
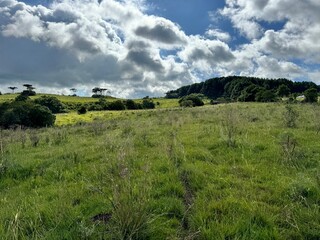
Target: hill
x,y
241,88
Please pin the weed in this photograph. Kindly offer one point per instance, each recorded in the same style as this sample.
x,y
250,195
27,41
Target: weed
x,y
98,128
59,136
229,127
130,216
290,116
34,138
288,146
316,117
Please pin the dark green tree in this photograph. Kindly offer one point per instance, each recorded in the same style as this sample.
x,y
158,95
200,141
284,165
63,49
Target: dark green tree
x,y
53,103
311,95
249,93
194,98
74,90
283,91
30,90
12,89
116,105
147,103
25,113
131,105
265,96
82,110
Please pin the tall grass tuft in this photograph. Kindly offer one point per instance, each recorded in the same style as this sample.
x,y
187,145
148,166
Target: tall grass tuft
x,y
130,215
229,126
290,116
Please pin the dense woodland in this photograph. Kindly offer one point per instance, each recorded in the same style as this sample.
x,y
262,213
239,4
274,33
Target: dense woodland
x,y
246,89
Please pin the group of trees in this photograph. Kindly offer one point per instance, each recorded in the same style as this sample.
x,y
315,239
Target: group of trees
x,y
25,112
29,89
103,104
247,89
98,92
30,113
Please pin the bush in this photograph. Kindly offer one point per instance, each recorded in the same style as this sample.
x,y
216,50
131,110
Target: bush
x,y
131,105
25,113
28,93
52,103
116,105
147,103
82,110
290,116
22,98
186,101
311,95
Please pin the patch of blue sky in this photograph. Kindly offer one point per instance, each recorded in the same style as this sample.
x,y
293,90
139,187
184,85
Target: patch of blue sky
x,y
276,26
37,2
192,15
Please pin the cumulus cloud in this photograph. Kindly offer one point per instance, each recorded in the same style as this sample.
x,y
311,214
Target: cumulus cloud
x,y
205,54
118,45
218,34
295,40
76,43
162,31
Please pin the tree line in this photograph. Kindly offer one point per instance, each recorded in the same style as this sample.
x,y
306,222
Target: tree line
x,y
248,89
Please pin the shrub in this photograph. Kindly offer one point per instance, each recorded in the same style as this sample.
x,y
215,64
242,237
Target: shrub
x,y
116,105
26,114
186,103
22,98
52,103
290,116
131,105
147,103
82,110
311,95
195,99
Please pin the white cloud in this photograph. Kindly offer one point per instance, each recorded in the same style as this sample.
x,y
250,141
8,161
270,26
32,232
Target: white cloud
x,y
83,44
205,54
115,43
218,34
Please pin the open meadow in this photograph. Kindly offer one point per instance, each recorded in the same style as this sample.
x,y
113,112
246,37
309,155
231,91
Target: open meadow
x,y
227,171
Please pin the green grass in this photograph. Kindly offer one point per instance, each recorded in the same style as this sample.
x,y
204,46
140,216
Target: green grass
x,y
64,99
215,172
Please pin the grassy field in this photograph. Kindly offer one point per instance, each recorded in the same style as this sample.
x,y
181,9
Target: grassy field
x,y
62,98
160,102
233,171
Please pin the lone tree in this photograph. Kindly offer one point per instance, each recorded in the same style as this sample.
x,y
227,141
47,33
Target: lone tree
x,y
97,91
102,90
30,90
29,87
13,88
74,90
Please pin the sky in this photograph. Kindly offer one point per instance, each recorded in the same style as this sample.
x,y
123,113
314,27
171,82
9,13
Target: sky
x,y
138,48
